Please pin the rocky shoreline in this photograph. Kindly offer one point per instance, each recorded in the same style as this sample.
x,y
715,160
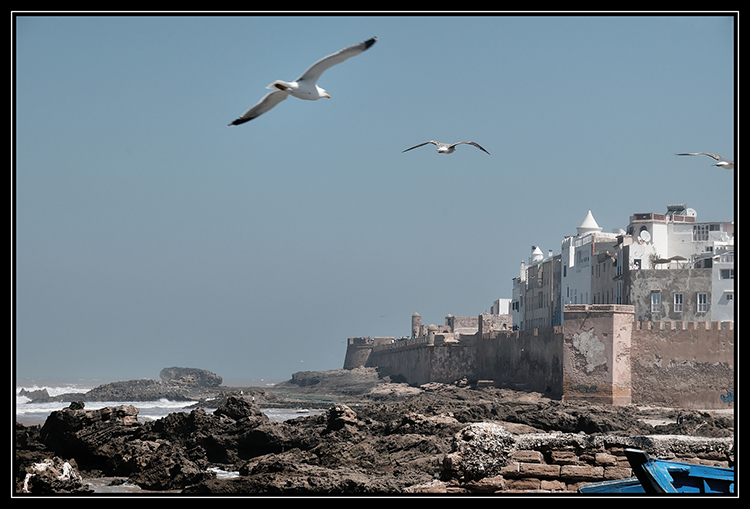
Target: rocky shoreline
x,y
376,437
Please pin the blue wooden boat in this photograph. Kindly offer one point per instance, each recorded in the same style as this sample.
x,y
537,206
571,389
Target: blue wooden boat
x,y
655,476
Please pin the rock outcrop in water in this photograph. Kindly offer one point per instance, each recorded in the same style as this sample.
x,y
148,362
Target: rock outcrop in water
x,y
176,384
199,377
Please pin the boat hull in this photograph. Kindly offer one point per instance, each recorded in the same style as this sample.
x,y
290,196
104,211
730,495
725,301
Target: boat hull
x,y
655,476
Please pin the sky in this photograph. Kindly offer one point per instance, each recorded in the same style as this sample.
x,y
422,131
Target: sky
x,y
148,234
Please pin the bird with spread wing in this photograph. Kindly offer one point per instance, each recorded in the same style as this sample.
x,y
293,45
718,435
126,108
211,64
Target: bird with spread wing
x,y
306,86
447,148
722,163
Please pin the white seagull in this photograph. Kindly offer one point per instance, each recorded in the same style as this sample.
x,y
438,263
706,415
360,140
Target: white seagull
x,y
447,148
305,87
722,163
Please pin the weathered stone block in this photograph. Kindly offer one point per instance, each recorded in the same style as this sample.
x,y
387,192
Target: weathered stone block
x,y
511,469
541,471
564,457
611,473
552,486
605,460
487,484
527,484
581,472
527,456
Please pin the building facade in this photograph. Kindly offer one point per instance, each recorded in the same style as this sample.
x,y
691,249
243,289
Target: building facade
x,y
678,269
585,275
536,292
667,266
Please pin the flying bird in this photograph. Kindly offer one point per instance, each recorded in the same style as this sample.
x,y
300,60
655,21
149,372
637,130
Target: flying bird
x,y
306,86
722,163
447,148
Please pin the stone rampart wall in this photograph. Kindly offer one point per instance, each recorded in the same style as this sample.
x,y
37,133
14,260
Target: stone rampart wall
x,y
683,364
420,361
672,364
527,360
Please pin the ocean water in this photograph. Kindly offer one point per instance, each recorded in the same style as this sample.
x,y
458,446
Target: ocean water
x,y
36,413
28,413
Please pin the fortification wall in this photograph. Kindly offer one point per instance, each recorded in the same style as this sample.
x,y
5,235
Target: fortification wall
x,y
600,355
439,358
683,364
527,360
358,350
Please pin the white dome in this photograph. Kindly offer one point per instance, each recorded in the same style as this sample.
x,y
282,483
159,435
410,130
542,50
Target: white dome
x,y
536,254
588,225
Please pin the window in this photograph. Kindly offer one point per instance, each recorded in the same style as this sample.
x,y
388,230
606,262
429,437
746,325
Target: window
x,y
727,274
677,304
702,302
655,302
700,232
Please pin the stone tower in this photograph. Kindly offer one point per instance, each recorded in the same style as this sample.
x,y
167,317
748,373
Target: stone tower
x,y
596,353
416,324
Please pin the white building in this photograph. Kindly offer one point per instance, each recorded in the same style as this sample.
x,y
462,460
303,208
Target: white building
x,y
580,254
722,284
536,292
668,266
678,268
500,307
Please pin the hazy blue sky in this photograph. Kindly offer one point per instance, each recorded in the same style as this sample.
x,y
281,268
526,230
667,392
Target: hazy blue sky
x,y
149,234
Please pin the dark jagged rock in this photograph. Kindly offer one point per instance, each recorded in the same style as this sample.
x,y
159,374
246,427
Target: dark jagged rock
x,y
169,467
339,417
90,436
38,395
239,408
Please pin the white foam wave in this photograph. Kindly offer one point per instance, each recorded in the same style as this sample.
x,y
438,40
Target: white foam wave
x,y
147,410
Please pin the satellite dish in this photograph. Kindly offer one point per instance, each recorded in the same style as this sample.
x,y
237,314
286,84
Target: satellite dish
x,y
645,236
691,213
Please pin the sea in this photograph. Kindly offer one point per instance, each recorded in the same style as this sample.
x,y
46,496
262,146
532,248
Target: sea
x,y
28,413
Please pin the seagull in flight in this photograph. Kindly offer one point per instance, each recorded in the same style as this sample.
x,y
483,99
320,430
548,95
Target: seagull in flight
x,y
722,163
447,148
306,86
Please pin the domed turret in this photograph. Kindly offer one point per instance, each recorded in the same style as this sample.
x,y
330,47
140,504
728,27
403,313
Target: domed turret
x,y
588,225
536,254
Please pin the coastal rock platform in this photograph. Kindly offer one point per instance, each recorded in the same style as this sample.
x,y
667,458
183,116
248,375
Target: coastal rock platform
x,y
375,437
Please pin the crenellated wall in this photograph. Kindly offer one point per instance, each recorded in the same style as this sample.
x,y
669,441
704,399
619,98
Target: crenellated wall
x,y
683,364
600,355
